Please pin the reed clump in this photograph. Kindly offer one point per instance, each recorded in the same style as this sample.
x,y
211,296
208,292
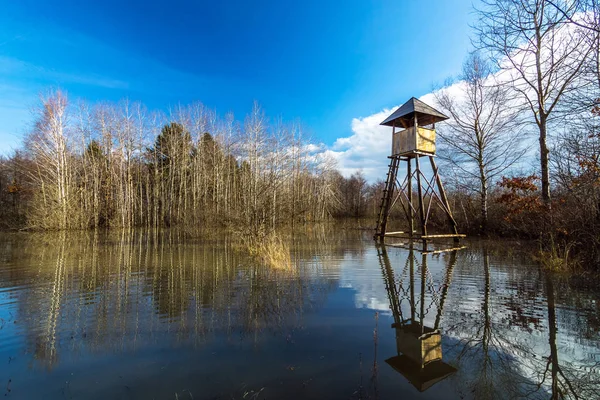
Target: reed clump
x,y
271,249
558,258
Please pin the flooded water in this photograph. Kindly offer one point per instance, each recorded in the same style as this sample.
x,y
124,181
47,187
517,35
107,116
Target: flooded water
x,y
162,316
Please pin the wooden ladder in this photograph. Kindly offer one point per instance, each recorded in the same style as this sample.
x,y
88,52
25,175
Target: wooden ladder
x,y
386,199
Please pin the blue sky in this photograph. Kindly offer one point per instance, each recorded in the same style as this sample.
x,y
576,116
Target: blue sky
x,y
323,62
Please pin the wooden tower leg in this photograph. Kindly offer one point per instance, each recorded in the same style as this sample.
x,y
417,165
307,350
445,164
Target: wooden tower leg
x,y
390,284
423,285
411,256
446,285
411,217
444,198
421,200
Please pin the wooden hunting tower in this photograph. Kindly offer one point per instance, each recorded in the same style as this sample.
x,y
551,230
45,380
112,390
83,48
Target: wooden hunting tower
x,y
413,137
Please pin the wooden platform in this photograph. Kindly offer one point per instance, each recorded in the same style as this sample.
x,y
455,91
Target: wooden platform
x,y
405,235
437,251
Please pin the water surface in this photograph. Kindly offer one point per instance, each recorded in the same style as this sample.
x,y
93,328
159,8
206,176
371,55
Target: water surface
x,y
142,315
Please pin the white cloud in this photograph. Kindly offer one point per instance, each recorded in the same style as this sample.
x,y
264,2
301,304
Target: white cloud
x,y
366,149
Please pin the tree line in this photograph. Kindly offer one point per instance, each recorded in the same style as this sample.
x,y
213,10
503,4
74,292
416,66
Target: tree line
x,y
119,165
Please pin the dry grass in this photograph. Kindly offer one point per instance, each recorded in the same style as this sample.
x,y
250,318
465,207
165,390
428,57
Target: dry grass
x,y
272,250
558,258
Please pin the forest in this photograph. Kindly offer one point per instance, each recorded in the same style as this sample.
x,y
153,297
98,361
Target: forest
x,y
520,153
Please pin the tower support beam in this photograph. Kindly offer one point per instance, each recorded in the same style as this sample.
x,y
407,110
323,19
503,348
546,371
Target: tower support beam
x,y
395,193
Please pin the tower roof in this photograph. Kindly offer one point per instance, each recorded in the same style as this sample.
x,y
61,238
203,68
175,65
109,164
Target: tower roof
x,y
425,114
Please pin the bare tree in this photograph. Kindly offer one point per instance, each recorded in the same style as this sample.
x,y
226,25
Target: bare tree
x,y
586,9
48,145
483,135
541,55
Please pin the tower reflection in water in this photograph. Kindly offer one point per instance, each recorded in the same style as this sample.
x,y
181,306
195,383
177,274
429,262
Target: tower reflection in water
x,y
419,347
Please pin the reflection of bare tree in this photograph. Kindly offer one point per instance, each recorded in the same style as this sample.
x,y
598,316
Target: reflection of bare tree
x,y
419,346
119,291
273,299
498,331
486,356
566,380
46,342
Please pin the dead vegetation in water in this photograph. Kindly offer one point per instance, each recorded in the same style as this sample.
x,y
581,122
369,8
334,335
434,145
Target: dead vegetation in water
x,y
558,258
271,249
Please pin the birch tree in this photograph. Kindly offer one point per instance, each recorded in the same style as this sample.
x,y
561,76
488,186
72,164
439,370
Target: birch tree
x,y
48,145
